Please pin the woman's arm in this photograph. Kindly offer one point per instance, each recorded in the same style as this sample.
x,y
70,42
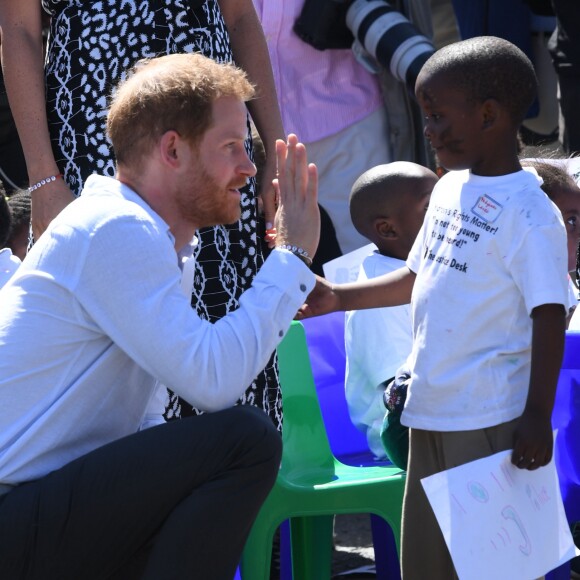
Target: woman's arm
x,y
23,66
251,53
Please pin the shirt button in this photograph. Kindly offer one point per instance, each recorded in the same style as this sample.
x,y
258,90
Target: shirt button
x,y
303,287
281,334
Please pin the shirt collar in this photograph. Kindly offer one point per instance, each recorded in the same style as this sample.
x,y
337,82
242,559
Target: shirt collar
x,y
97,185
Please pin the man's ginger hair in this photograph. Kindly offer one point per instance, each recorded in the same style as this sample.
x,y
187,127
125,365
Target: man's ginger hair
x,y
173,92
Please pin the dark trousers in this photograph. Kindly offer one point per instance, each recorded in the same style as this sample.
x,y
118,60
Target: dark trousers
x,y
172,502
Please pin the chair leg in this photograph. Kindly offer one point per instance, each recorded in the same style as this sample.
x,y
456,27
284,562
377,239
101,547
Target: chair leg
x,y
257,555
386,556
312,547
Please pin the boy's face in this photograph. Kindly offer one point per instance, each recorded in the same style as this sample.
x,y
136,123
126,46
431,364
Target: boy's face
x,y
453,125
568,201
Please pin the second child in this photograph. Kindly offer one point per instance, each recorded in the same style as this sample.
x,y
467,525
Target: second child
x,y
387,206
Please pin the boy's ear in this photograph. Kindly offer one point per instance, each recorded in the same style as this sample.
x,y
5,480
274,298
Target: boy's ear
x,y
384,228
491,112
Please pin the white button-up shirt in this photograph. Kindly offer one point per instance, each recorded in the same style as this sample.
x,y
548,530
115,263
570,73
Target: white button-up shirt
x,y
95,318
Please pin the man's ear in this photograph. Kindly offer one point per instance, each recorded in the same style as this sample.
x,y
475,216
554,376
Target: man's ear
x,y
491,113
384,228
169,147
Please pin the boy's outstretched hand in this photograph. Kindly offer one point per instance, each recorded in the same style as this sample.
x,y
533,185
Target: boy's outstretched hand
x,y
321,300
392,289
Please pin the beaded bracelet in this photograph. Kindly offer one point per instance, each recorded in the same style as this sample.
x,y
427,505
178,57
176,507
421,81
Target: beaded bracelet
x,y
44,181
298,252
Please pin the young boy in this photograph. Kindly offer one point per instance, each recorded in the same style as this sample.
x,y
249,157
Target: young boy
x,y
488,277
387,206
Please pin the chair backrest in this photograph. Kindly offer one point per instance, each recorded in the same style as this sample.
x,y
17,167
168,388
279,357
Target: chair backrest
x,y
566,418
304,434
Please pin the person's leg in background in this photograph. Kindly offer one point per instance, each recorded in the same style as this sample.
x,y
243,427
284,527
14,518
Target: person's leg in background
x,y
564,47
569,119
542,128
341,159
445,29
168,502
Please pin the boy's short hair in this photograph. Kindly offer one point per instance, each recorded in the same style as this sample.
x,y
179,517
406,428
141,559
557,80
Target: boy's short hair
x,y
487,67
19,204
377,191
172,92
368,197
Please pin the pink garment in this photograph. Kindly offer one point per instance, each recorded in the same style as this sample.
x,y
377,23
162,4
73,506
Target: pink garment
x,y
320,92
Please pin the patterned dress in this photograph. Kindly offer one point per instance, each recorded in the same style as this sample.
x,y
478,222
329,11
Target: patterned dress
x,y
91,46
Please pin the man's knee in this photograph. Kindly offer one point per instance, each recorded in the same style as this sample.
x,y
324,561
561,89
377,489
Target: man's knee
x,y
252,425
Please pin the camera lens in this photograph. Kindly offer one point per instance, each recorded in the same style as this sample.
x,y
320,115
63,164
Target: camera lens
x,y
390,38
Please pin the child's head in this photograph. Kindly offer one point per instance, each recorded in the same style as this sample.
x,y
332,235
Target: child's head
x,y
19,204
475,94
561,188
388,204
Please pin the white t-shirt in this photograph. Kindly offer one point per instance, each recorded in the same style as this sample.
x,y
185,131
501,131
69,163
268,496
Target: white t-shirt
x,y
95,316
491,249
377,342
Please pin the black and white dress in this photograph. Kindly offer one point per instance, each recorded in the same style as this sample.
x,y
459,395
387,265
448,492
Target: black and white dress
x,y
91,46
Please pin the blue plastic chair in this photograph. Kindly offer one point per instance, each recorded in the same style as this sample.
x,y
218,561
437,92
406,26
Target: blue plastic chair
x,y
325,339
566,418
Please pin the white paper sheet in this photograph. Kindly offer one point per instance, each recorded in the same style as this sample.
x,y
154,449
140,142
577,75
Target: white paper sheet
x,y
499,521
345,268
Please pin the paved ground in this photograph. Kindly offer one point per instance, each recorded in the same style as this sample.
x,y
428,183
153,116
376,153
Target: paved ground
x,y
353,547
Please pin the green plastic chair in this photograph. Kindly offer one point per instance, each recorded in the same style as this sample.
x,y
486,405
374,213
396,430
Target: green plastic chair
x,y
312,484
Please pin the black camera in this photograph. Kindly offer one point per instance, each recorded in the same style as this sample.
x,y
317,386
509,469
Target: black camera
x,y
389,37
322,24
374,29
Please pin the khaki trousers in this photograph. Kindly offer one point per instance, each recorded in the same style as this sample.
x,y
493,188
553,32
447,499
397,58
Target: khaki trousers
x,y
424,553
